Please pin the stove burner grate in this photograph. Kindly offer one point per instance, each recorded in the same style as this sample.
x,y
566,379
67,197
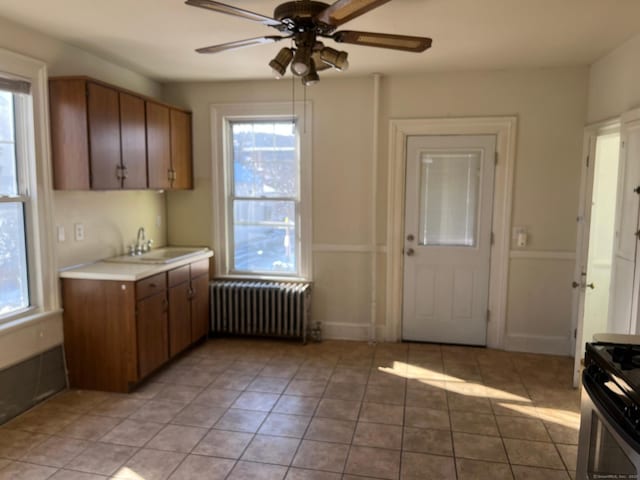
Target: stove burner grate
x,y
627,356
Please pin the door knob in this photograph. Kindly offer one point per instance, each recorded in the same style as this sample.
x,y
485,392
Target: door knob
x,y
590,285
410,237
410,252
574,284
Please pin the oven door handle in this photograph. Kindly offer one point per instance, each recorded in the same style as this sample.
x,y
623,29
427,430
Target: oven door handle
x,y
606,409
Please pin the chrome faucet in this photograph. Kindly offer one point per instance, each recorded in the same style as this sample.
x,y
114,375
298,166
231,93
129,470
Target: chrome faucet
x,y
142,245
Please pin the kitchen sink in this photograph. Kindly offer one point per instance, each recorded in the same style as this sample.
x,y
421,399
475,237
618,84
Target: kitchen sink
x,y
159,255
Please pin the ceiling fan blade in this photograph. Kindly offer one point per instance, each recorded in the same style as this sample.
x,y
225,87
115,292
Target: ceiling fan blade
x,y
239,44
383,40
344,10
230,10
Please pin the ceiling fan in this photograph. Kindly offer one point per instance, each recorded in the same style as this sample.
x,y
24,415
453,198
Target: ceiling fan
x,y
304,21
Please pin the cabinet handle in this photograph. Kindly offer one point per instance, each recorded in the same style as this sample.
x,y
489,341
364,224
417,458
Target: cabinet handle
x,y
125,173
165,304
118,172
153,285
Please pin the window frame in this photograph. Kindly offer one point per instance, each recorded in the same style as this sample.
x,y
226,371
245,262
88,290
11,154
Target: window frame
x,y
34,187
223,183
21,139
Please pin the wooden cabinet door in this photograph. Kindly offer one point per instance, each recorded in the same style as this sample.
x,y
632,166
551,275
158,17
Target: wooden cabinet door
x,y
104,137
152,332
69,143
181,157
100,334
158,145
179,318
199,307
134,142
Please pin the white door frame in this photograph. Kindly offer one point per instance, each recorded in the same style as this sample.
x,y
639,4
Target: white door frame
x,y
591,133
504,128
627,118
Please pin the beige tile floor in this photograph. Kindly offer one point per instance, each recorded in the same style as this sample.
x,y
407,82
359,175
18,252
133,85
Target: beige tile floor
x,y
269,410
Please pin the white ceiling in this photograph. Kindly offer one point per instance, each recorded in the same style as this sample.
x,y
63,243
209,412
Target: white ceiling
x,y
158,37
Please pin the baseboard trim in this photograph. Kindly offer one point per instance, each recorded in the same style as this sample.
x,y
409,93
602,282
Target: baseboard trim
x,y
550,345
350,331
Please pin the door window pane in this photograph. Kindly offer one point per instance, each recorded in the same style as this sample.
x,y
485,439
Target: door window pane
x,y
265,159
14,284
449,185
264,234
8,176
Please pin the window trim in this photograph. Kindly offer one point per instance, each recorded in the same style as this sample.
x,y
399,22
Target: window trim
x,y
44,298
222,179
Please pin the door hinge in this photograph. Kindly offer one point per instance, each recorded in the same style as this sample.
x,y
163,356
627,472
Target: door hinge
x,y
575,333
488,315
496,158
493,238
587,161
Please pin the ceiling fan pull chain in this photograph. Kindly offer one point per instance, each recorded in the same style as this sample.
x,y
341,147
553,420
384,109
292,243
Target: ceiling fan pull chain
x,y
304,110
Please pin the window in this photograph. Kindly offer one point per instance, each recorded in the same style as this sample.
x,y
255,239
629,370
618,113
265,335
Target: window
x,y
14,281
27,262
264,222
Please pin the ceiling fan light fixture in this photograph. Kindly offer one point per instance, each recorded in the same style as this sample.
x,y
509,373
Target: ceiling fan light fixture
x,y
335,58
312,77
281,61
301,64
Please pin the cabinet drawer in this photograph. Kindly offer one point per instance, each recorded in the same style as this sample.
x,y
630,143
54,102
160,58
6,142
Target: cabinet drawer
x,y
178,275
151,285
201,267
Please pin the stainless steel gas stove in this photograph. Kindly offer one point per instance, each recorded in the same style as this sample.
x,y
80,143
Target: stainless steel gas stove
x,y
609,445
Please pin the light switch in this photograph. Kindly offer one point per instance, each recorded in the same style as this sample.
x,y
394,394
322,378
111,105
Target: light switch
x,y
61,234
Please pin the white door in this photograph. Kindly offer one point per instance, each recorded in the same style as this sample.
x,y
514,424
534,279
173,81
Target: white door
x,y
596,226
624,302
448,216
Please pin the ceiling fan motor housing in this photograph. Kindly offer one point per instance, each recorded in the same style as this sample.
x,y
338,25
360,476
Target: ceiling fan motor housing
x,y
299,16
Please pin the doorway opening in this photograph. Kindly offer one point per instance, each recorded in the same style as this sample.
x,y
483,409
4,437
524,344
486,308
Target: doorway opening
x,y
601,235
595,250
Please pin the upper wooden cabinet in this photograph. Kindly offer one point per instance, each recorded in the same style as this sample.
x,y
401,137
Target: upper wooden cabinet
x,y
159,145
169,147
104,138
181,163
134,142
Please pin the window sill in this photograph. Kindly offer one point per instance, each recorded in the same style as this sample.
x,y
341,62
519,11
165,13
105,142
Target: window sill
x,y
25,319
261,277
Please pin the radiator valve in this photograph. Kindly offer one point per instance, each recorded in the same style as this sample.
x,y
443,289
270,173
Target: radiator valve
x,y
315,332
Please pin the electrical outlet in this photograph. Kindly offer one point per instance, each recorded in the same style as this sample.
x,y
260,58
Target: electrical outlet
x,y
61,234
78,228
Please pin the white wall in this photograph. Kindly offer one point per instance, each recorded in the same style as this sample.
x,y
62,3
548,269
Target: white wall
x,y
614,82
551,109
111,219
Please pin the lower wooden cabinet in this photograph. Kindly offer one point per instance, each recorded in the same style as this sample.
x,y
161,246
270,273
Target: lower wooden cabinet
x,y
152,333
199,307
117,333
189,305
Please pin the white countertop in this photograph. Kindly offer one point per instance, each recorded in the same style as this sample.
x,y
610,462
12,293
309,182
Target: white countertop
x,y
617,338
127,272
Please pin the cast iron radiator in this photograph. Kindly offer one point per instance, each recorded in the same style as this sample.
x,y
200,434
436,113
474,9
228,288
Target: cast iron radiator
x,y
247,307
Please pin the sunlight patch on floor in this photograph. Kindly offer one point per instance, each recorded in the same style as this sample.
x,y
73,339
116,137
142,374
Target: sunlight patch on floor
x,y
126,473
